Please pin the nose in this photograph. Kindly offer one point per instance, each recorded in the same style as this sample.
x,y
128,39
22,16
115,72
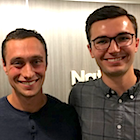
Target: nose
x,y
113,47
27,71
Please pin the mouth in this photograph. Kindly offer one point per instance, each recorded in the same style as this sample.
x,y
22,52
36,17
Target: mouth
x,y
28,83
115,59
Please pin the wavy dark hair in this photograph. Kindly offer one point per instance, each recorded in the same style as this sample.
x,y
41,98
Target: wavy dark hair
x,y
107,12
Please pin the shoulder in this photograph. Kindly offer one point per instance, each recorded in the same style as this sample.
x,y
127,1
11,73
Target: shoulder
x,y
89,83
55,104
4,104
85,86
55,107
83,90
3,100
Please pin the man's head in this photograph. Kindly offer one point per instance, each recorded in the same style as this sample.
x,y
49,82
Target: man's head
x,y
112,37
21,33
108,12
25,61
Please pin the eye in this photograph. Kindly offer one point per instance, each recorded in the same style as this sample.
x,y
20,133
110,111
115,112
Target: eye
x,y
36,62
101,41
123,38
18,64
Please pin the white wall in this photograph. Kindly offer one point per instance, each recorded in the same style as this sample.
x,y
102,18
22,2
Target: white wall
x,y
62,24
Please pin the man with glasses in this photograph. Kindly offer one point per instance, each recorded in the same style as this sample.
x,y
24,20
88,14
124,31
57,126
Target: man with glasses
x,y
109,107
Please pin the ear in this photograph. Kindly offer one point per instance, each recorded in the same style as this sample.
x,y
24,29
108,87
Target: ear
x,y
137,45
4,66
90,50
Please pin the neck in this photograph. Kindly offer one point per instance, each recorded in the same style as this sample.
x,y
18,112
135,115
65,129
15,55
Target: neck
x,y
121,83
28,104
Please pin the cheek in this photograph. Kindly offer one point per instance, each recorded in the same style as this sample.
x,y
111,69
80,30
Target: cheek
x,y
41,70
99,55
130,51
12,71
13,74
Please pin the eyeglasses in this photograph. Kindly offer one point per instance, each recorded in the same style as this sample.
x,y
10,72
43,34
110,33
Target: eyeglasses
x,y
103,42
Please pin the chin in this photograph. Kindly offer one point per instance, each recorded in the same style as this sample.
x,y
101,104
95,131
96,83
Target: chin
x,y
29,94
116,73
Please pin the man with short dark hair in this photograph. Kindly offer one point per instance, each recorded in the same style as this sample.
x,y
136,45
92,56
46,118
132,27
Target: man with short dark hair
x,y
27,113
109,107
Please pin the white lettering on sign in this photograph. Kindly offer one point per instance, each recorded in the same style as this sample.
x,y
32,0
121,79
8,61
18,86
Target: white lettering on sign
x,y
75,77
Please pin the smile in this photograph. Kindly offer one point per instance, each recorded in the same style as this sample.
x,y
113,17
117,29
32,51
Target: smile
x,y
29,83
115,59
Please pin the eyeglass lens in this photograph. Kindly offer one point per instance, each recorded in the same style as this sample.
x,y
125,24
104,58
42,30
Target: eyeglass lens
x,y
122,40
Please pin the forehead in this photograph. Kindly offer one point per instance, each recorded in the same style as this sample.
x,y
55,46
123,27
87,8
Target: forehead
x,y
111,27
24,47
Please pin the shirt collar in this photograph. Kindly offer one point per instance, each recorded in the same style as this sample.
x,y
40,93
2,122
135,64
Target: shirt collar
x,y
129,94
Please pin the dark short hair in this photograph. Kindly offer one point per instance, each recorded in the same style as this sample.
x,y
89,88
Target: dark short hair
x,y
22,33
107,12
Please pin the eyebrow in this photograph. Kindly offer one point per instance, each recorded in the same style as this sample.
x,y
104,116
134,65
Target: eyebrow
x,y
121,33
37,57
20,58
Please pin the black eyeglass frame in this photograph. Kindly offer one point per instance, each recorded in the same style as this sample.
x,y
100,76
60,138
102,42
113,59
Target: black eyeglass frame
x,y
112,38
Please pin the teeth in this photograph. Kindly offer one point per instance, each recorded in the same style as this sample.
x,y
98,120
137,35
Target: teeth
x,y
29,83
116,59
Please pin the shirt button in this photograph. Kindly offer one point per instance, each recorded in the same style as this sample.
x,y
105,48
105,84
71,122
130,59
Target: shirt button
x,y
33,127
107,95
112,91
120,101
119,126
131,96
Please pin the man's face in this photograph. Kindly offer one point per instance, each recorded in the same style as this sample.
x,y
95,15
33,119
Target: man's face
x,y
25,66
115,60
